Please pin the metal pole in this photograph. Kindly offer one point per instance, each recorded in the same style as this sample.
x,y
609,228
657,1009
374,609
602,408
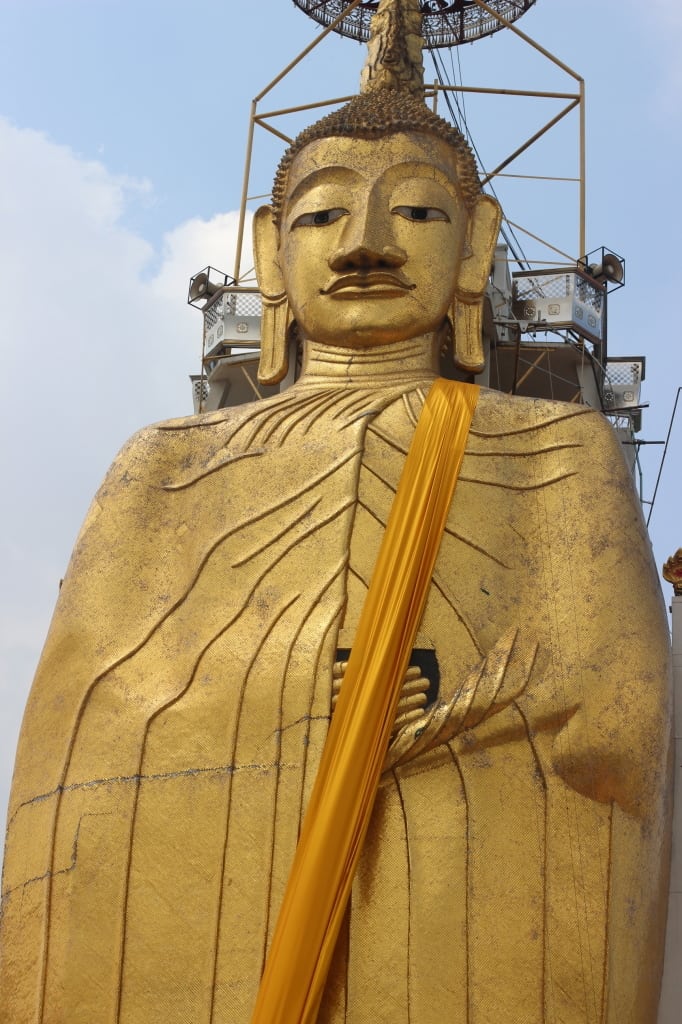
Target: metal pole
x,y
582,245
665,452
304,53
581,82
249,145
507,92
529,142
537,238
537,177
268,128
531,42
245,192
526,375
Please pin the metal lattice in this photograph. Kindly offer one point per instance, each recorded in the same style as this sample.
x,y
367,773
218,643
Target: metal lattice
x,y
445,22
529,288
232,302
624,374
215,312
248,304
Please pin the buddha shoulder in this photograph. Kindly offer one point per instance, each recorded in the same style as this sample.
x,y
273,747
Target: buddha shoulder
x,y
166,453
186,445
527,444
500,416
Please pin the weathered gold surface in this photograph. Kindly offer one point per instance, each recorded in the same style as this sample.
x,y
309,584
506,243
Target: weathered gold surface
x,y
515,865
394,49
339,813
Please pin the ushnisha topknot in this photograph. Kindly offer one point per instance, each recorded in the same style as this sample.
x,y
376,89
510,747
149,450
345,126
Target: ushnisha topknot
x,y
390,101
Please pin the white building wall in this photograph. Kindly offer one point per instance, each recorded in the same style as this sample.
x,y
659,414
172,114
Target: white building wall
x,y
670,1011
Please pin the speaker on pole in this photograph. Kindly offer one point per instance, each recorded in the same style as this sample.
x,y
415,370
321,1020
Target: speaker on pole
x,y
609,271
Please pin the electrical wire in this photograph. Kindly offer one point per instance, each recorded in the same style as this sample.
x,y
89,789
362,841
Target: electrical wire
x,y
460,121
459,118
460,79
665,452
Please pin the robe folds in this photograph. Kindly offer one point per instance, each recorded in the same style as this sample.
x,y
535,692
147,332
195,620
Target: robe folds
x,y
515,866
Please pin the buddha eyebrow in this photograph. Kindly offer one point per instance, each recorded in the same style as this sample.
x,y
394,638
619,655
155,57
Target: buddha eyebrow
x,y
328,175
331,174
425,170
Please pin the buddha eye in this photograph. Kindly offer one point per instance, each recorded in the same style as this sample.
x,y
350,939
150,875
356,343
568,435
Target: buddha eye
x,y
319,218
421,213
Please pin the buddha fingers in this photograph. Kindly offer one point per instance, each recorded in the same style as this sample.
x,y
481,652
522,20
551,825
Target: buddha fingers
x,y
498,680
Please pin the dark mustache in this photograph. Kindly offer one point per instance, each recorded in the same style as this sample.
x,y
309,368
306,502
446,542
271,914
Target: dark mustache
x,y
365,279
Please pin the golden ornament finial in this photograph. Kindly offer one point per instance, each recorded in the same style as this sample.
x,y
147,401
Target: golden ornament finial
x,y
672,572
394,50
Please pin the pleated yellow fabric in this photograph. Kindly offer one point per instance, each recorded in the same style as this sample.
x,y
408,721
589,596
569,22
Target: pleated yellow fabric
x,y
341,802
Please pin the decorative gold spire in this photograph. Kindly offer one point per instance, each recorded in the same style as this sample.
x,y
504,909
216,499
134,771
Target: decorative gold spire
x,y
394,50
672,572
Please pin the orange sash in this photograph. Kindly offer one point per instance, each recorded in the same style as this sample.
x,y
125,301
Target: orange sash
x,y
342,799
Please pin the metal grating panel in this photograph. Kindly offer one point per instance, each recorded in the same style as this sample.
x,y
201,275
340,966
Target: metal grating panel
x,y
214,313
560,300
445,22
622,383
248,304
558,286
624,373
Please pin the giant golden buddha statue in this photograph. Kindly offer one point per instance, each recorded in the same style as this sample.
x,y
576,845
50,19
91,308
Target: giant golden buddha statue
x,y
512,862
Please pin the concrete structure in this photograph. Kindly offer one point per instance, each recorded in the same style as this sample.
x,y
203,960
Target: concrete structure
x,y
671,998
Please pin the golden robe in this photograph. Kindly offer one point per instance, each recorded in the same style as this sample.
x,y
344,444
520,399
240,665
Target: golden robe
x,y
512,872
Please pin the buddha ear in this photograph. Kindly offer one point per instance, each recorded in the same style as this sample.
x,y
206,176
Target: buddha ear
x,y
482,232
274,355
265,251
474,270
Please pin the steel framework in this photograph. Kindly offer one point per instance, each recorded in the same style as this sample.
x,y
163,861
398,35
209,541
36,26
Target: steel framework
x,y
574,98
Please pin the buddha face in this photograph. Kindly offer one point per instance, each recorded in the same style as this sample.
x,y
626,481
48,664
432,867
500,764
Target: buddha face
x,y
371,238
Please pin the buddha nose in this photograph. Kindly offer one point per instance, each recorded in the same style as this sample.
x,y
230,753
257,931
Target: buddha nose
x,y
368,242
367,257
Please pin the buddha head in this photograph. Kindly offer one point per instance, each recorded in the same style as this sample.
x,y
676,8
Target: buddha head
x,y
378,231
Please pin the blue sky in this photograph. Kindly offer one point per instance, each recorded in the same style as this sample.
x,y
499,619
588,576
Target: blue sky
x,y
122,132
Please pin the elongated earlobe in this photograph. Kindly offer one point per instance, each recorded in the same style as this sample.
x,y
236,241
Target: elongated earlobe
x,y
274,355
467,320
466,311
274,350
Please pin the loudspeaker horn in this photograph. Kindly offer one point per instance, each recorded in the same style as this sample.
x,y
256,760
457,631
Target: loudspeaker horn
x,y
610,270
202,288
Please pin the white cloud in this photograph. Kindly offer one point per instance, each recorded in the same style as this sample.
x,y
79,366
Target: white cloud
x,y
186,250
93,346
